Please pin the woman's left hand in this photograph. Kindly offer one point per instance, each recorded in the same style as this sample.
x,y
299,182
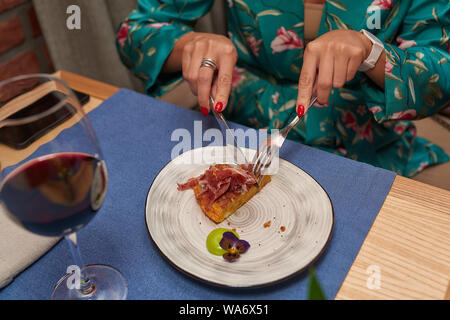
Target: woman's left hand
x,y
329,62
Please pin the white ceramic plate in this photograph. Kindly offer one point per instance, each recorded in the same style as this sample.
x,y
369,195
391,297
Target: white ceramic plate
x,y
293,200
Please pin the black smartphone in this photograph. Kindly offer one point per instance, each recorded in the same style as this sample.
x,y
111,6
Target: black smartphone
x,y
20,137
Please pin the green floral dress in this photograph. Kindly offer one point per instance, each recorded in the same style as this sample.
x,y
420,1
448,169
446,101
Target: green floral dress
x,y
361,121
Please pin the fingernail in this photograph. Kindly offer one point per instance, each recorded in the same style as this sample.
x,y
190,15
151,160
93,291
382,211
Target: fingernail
x,y
219,106
204,111
300,110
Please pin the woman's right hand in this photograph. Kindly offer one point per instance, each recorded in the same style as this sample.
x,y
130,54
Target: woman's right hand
x,y
189,51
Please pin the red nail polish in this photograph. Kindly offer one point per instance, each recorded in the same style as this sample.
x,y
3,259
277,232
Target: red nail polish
x,y
204,111
219,106
300,110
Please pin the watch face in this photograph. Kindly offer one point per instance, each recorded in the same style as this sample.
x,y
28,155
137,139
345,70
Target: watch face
x,y
372,38
365,66
377,49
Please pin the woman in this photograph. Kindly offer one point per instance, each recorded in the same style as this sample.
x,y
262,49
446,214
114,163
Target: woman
x,y
278,53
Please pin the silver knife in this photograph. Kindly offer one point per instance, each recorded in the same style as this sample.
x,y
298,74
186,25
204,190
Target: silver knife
x,y
226,129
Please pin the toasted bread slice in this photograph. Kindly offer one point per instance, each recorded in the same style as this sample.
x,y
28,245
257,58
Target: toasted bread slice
x,y
228,203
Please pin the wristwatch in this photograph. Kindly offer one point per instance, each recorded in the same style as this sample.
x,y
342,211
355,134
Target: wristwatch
x,y
377,49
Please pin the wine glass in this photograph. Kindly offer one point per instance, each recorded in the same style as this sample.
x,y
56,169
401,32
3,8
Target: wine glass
x,y
53,176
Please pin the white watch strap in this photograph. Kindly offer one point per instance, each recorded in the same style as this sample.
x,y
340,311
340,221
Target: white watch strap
x,y
377,49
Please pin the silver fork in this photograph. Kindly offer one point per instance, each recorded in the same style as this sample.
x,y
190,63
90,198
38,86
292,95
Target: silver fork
x,y
271,146
226,129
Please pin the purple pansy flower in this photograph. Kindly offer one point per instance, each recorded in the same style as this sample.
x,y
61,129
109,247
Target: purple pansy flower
x,y
233,246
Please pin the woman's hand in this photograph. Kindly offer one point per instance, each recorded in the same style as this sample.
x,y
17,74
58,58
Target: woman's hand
x,y
188,54
329,62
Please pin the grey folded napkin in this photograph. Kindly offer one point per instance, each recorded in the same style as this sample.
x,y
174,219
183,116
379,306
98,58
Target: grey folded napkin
x,y
19,248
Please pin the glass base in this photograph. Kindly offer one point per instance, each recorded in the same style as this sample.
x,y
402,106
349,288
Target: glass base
x,y
107,284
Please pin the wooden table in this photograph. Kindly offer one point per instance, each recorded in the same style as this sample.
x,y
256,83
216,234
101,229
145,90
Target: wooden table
x,y
406,254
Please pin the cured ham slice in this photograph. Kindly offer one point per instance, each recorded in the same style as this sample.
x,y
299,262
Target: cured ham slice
x,y
219,179
222,188
190,184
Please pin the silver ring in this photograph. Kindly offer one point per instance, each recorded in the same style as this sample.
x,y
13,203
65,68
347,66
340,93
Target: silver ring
x,y
209,63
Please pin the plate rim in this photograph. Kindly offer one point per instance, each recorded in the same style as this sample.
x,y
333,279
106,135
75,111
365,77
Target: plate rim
x,y
222,285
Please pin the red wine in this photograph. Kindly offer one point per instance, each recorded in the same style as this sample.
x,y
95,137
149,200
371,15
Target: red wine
x,y
56,194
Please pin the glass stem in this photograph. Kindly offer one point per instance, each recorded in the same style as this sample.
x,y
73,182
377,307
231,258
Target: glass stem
x,y
86,285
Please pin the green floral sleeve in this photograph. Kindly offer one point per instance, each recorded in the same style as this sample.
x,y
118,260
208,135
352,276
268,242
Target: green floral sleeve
x,y
146,38
417,71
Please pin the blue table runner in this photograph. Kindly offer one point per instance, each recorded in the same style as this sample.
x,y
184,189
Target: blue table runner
x,y
135,131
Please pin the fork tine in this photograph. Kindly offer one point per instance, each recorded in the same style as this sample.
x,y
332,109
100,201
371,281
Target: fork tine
x,y
271,153
265,164
257,170
260,155
265,159
271,146
260,165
